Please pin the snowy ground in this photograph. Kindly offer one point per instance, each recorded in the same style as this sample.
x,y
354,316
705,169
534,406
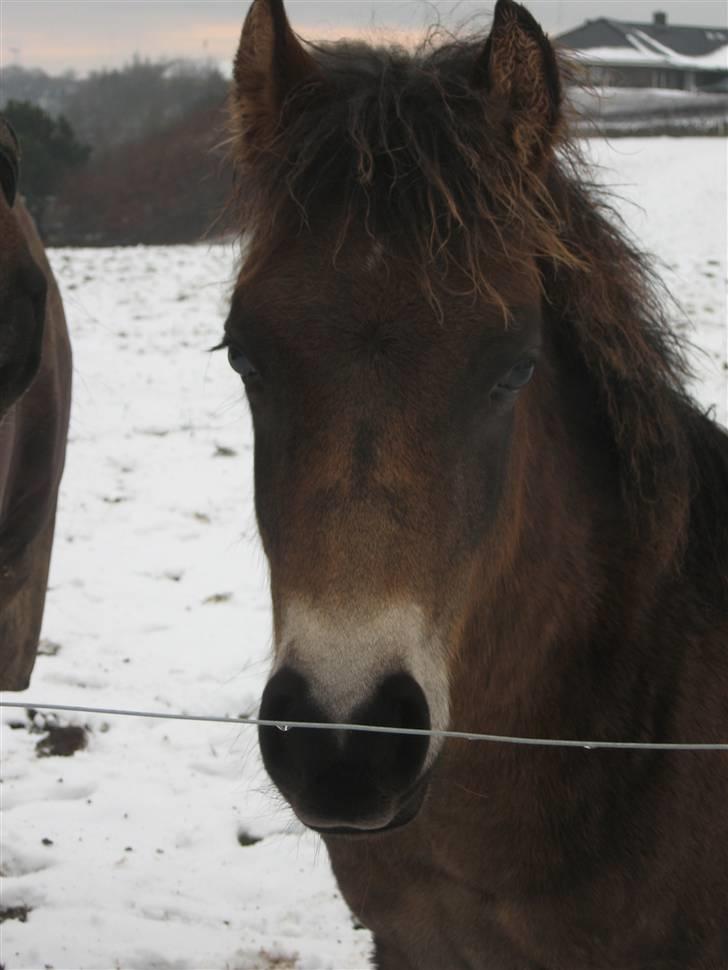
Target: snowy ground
x,y
128,854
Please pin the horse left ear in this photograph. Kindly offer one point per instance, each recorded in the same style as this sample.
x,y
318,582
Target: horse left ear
x,y
518,69
269,64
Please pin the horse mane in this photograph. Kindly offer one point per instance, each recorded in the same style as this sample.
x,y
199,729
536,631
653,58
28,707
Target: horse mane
x,y
402,145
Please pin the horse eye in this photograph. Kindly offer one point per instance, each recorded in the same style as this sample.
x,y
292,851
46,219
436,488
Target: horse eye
x,y
241,364
518,376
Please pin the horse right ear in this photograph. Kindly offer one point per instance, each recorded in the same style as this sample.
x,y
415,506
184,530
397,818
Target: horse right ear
x,y
519,71
269,64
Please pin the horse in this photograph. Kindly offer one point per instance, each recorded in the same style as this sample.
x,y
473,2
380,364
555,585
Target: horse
x,y
488,504
35,396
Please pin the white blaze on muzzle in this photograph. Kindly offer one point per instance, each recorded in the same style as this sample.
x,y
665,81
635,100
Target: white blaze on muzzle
x,y
344,654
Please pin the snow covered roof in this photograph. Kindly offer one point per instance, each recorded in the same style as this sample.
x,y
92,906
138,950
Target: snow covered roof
x,y
643,55
651,45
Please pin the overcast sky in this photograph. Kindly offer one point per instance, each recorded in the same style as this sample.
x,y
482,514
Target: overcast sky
x,y
83,34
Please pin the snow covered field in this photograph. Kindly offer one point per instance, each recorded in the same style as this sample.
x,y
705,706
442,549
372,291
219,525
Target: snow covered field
x,y
162,844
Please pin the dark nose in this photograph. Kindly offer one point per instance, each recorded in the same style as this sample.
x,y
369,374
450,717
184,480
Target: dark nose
x,y
344,779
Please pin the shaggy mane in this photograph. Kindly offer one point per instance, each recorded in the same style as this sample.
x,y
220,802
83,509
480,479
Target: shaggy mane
x,y
401,144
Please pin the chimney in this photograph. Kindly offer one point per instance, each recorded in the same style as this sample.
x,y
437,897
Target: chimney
x,y
659,19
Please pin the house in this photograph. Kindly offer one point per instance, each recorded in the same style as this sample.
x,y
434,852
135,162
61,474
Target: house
x,y
653,55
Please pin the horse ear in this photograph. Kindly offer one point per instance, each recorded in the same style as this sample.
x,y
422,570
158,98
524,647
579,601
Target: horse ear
x,y
518,68
269,63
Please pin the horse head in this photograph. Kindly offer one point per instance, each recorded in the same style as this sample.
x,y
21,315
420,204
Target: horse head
x,y
386,325
387,372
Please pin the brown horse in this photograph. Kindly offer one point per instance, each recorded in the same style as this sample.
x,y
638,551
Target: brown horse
x,y
35,393
487,504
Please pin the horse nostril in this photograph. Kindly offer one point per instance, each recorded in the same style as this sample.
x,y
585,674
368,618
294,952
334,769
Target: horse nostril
x,y
290,756
398,702
285,697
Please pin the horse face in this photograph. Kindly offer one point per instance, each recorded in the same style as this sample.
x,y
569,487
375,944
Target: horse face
x,y
385,436
382,448
22,287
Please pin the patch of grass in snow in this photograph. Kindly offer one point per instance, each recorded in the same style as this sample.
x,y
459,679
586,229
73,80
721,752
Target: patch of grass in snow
x,y
62,741
278,961
59,740
245,838
20,913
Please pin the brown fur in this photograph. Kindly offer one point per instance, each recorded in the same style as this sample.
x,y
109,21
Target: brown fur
x,y
33,431
572,541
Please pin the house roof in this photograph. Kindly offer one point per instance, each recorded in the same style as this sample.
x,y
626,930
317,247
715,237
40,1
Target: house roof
x,y
656,44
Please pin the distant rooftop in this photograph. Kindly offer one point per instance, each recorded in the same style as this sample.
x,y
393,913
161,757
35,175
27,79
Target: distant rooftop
x,y
657,42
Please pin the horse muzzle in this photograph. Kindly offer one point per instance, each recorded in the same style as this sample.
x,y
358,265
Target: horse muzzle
x,y
342,782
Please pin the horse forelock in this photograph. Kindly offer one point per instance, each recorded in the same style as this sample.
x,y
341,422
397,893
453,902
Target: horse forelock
x,y
399,146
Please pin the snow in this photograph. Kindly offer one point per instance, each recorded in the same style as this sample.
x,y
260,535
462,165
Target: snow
x,y
647,51
128,854
619,55
716,59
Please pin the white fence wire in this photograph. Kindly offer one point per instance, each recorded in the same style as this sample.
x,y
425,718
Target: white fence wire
x,y
375,729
